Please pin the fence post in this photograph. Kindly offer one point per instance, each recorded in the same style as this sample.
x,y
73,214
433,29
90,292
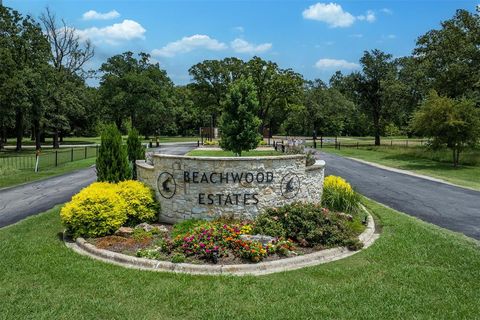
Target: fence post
x,y
56,158
321,142
71,154
338,145
96,151
85,152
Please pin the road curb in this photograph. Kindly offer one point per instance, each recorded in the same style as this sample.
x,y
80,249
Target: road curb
x,y
410,173
82,247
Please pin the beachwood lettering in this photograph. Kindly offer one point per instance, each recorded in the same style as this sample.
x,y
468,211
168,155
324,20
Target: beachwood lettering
x,y
221,199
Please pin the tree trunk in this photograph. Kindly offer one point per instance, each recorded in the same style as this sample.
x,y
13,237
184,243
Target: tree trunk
x,y
19,128
32,135
42,135
376,125
36,133
2,137
118,122
55,143
454,154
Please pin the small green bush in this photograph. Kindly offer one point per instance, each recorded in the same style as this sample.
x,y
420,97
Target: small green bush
x,y
308,224
112,163
186,226
178,258
135,150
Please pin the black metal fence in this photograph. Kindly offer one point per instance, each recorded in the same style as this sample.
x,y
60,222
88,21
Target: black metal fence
x,y
46,159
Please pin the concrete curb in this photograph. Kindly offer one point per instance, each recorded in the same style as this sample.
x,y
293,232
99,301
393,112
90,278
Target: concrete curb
x,y
82,247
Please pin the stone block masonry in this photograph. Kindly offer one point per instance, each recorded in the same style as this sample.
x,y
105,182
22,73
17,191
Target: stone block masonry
x,y
242,187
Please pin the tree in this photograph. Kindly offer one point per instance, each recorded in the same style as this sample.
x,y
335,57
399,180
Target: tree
x,y
277,88
25,52
211,79
450,56
69,55
138,91
377,69
327,109
135,150
239,123
454,123
112,161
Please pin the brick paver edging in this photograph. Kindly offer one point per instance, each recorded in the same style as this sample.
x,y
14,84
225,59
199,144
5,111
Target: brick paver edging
x,y
368,237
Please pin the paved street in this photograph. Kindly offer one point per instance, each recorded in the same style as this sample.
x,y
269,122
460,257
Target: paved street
x,y
451,207
20,202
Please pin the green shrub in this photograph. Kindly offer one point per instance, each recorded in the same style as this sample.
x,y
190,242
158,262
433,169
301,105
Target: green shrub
x,y
149,254
135,150
98,210
338,195
178,258
140,200
112,163
308,224
186,226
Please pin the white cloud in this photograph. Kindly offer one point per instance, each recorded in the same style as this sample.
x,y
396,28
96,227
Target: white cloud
x,y
242,46
114,34
391,36
330,13
356,35
386,11
239,29
94,15
327,64
369,16
187,44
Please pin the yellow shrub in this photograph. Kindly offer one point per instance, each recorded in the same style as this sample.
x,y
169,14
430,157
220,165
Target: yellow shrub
x,y
96,210
338,195
140,200
337,183
210,143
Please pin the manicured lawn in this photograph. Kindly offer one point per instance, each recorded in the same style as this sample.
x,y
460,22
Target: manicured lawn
x,y
11,177
222,153
420,161
415,270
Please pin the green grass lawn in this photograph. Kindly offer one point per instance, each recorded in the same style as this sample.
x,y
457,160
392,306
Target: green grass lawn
x,y
414,271
222,153
11,177
94,140
420,161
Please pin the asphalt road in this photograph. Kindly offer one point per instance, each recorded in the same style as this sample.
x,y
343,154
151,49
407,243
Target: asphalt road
x,y
451,207
20,202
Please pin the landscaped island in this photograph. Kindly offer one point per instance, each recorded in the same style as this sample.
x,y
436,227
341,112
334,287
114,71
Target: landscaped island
x,y
123,218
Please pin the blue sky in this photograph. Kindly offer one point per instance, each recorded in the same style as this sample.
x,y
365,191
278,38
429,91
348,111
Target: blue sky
x,y
313,38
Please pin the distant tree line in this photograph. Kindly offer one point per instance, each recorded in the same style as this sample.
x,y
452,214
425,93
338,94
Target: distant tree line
x,y
43,90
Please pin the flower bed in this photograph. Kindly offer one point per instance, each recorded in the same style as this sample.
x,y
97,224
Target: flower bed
x,y
232,241
292,230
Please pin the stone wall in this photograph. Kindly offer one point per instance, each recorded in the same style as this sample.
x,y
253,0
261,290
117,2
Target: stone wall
x,y
207,187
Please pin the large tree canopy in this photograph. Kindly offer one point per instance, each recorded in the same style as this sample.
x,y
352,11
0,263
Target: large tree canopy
x,y
138,91
450,56
25,53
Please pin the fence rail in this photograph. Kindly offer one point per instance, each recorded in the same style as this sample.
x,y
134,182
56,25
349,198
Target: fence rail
x,y
46,159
